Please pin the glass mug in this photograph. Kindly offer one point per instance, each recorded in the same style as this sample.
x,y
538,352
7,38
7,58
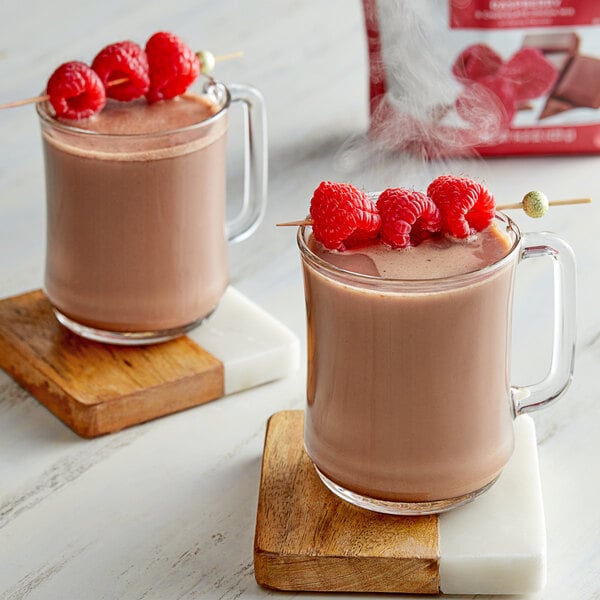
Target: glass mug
x,y
136,248
410,406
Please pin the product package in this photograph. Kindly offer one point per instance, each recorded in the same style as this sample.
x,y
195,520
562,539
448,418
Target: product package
x,y
498,77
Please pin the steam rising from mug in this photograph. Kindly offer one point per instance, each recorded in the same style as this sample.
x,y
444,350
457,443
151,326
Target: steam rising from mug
x,y
417,112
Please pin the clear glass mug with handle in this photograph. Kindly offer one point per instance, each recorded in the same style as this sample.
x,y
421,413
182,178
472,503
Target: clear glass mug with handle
x,y
136,247
409,401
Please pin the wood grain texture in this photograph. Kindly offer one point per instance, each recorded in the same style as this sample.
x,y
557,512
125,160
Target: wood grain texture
x,y
307,539
99,388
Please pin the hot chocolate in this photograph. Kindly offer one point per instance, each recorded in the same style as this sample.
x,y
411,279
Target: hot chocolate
x,y
408,389
136,202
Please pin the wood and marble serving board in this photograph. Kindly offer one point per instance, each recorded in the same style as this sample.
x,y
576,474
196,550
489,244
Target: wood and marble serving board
x,y
100,388
307,539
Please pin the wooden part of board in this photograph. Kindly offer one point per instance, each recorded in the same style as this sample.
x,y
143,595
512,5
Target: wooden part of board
x,y
307,539
100,388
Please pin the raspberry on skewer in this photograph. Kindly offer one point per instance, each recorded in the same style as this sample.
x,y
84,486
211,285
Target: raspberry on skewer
x,y
123,68
76,91
342,215
128,86
173,66
407,217
455,205
465,205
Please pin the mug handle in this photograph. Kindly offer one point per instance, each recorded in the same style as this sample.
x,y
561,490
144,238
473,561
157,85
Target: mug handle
x,y
254,201
529,398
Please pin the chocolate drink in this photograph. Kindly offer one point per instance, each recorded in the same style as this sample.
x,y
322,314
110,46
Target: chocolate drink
x,y
135,231
408,389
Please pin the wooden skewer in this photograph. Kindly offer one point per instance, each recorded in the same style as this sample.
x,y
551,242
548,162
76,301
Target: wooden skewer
x,y
25,101
304,222
44,97
229,56
296,223
551,203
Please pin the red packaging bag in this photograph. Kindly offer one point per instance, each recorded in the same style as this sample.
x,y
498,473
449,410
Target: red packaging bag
x,y
499,77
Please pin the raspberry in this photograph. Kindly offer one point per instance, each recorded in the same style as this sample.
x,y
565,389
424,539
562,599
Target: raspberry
x,y
530,73
173,66
342,215
407,217
465,205
475,62
76,91
123,60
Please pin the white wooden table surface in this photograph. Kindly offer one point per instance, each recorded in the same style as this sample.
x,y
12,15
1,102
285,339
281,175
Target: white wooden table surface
x,y
167,509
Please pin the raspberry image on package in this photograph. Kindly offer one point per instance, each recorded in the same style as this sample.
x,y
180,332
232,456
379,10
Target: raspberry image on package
x,y
528,74
476,62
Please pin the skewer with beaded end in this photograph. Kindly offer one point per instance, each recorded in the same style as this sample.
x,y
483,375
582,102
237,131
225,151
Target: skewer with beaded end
x,y
534,203
207,64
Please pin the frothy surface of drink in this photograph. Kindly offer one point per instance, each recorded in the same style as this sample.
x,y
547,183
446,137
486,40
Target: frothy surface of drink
x,y
432,259
139,117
